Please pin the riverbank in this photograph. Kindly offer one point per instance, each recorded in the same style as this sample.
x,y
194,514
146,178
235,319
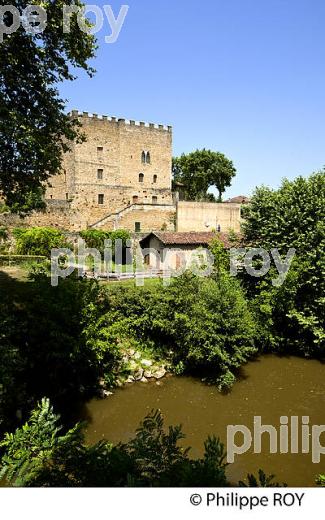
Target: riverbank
x,y
136,366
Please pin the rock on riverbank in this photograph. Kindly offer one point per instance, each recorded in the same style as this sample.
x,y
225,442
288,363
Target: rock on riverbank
x,y
138,369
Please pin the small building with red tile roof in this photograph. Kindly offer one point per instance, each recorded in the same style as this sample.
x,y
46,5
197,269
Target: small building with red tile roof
x,y
178,250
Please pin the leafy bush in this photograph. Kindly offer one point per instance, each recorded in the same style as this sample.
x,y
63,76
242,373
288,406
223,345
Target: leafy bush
x,y
33,200
95,239
263,480
40,454
45,348
38,241
291,316
4,208
206,322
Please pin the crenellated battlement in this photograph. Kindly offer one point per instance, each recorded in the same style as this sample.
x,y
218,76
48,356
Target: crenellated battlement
x,y
120,121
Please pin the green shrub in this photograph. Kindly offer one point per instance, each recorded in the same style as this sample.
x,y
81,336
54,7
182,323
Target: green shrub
x,y
206,323
4,208
95,239
291,317
43,454
38,241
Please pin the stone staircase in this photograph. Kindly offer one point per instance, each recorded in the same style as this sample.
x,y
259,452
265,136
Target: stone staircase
x,y
115,218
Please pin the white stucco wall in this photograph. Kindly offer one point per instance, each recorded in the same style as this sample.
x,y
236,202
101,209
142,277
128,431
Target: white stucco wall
x,y
174,256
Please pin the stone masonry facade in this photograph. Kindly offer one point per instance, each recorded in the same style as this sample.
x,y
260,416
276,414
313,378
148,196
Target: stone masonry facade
x,y
120,177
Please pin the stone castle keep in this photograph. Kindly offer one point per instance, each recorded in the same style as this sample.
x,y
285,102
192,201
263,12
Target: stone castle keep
x,y
121,178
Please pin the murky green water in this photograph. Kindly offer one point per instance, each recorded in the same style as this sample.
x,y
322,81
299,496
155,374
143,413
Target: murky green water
x,y
271,387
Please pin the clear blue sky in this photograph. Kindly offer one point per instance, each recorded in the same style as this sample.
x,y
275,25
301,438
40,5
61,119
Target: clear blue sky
x,y
244,77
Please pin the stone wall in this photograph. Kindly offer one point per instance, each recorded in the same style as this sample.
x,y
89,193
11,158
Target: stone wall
x,y
207,216
106,184
109,165
57,215
141,217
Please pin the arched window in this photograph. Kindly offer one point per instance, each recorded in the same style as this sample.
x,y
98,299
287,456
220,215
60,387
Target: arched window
x,y
141,177
155,178
145,157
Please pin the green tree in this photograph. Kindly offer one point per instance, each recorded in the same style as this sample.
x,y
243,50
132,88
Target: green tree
x,y
221,256
38,241
201,170
49,346
95,238
207,321
12,370
291,217
35,131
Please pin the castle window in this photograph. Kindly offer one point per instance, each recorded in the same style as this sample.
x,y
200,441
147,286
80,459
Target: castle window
x,y
146,158
155,178
137,227
218,228
135,199
101,198
67,196
154,200
141,177
100,151
100,175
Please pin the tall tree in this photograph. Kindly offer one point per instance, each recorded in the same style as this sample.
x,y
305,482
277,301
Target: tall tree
x,y
35,131
201,170
292,217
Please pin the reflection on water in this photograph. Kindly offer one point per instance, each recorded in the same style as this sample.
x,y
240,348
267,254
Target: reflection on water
x,y
271,387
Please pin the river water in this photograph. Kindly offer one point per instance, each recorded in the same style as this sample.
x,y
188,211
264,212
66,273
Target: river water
x,y
270,387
